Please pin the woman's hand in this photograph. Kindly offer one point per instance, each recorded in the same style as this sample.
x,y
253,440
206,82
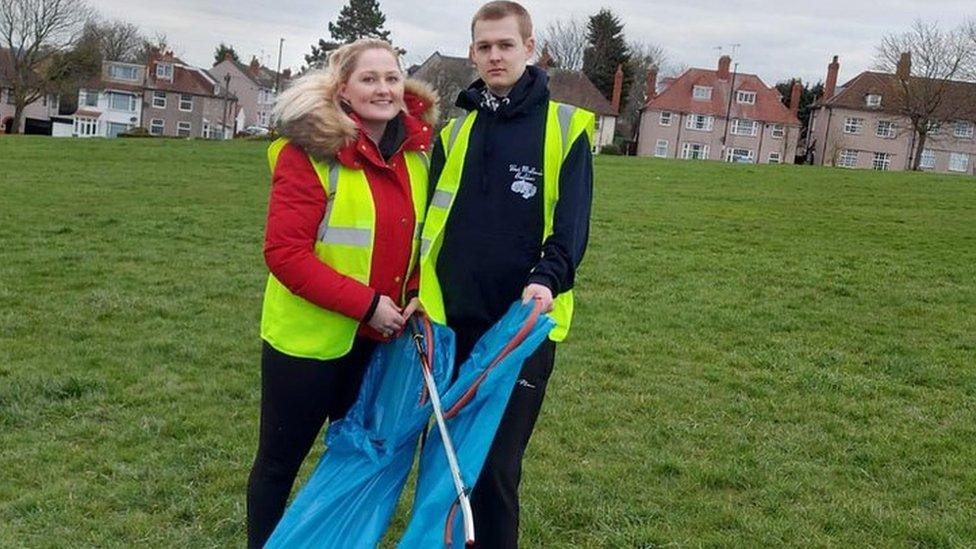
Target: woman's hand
x,y
387,319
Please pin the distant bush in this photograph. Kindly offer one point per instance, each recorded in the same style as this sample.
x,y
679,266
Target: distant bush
x,y
611,150
136,132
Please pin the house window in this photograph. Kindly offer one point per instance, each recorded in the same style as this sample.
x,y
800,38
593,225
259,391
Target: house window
x,y
853,125
774,158
934,127
745,97
695,151
86,127
886,129
206,134
699,122
882,161
91,98
661,149
928,159
159,100
186,102
113,129
164,71
872,100
123,72
848,158
744,127
665,119
183,129
963,129
739,156
121,102
779,131
702,93
263,119
958,162
157,126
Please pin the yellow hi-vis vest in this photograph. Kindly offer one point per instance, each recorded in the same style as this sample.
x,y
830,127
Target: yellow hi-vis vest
x,y
299,328
564,124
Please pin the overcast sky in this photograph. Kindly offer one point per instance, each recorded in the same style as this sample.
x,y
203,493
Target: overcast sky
x,y
776,39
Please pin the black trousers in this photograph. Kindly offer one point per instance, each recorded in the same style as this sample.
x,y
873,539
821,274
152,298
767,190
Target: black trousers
x,y
297,396
495,500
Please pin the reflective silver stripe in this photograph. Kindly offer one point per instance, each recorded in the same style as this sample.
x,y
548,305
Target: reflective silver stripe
x,y
330,201
348,236
426,160
565,115
441,199
418,230
455,130
424,246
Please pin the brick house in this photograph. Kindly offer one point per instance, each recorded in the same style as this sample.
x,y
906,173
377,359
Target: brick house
x,y
184,101
858,125
37,115
718,115
255,86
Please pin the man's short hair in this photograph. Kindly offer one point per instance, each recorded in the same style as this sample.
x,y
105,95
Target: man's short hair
x,y
500,9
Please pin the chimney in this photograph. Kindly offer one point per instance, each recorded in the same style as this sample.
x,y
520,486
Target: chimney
x,y
618,88
904,70
831,86
650,89
724,63
228,56
255,66
795,97
545,60
286,74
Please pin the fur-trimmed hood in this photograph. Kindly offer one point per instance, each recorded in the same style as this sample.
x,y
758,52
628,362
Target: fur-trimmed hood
x,y
311,120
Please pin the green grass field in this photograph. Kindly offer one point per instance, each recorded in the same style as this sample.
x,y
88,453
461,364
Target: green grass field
x,y
762,355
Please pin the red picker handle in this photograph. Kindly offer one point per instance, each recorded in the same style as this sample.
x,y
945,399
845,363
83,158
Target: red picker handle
x,y
515,342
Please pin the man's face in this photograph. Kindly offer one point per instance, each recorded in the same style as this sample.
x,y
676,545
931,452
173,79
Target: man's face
x,y
499,52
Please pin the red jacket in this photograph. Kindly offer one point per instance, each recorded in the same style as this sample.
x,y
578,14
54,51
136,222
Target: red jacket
x,y
297,206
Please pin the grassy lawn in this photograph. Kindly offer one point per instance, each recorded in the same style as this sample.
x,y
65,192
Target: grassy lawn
x,y
762,355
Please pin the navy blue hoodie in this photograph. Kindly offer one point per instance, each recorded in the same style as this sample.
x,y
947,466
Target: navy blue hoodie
x,y
493,242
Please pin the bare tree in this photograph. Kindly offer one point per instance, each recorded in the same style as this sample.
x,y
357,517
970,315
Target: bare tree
x,y
643,56
566,41
927,61
33,31
120,41
969,34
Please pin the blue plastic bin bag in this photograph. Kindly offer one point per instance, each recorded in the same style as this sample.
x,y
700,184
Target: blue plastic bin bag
x,y
352,494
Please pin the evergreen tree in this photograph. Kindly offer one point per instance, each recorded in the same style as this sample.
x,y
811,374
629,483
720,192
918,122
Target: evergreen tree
x,y
222,51
606,50
358,19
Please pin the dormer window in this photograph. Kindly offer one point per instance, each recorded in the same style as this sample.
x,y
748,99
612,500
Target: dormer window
x,y
123,72
702,93
872,100
745,97
164,71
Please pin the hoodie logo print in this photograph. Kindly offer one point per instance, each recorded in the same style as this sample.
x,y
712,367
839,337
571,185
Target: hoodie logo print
x,y
525,178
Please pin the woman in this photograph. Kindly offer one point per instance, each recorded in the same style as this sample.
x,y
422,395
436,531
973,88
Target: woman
x,y
348,195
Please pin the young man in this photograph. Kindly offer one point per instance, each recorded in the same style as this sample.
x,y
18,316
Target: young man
x,y
509,220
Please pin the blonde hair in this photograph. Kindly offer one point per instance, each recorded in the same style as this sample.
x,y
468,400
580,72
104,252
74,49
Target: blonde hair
x,y
316,87
500,9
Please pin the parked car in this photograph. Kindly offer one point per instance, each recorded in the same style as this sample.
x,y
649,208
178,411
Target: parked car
x,y
256,130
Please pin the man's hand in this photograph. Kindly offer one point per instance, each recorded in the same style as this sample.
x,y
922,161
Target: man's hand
x,y
544,294
414,305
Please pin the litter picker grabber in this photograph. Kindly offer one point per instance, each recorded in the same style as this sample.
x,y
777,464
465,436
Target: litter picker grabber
x,y
422,336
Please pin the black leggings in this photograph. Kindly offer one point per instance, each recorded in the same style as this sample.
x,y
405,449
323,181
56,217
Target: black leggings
x,y
297,396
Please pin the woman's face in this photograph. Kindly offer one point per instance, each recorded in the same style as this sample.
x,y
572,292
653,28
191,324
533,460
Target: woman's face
x,y
375,87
